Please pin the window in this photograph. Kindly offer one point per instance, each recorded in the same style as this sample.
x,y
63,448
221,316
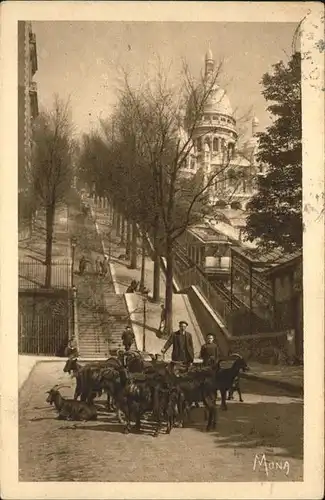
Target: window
x,y
231,151
232,177
215,144
215,117
235,205
199,144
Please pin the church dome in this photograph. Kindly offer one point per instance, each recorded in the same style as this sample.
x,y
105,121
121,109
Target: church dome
x,y
217,110
218,102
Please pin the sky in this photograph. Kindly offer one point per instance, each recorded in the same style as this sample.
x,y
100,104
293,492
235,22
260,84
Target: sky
x,y
83,61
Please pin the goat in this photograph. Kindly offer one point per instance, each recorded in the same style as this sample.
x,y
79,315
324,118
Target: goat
x,y
70,409
168,403
226,377
141,393
81,373
88,378
109,381
198,386
235,388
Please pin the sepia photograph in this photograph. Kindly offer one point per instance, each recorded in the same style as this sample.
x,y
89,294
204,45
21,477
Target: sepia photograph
x,y
161,230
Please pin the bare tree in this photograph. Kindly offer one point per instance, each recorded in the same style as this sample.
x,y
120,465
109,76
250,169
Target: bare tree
x,y
167,127
157,127
52,153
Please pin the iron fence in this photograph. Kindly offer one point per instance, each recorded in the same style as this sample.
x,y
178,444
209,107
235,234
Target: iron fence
x,y
42,334
32,274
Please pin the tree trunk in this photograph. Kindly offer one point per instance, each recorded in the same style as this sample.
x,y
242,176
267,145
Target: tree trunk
x,y
31,223
156,266
128,239
169,286
113,217
122,229
118,224
134,256
50,214
143,263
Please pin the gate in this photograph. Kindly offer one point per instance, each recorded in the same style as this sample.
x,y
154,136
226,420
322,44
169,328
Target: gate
x,y
42,334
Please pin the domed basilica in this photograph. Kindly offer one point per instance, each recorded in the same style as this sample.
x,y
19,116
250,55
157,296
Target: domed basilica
x,y
215,149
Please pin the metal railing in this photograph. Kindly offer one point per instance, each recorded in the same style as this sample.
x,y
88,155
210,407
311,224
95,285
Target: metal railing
x,y
42,334
32,274
193,276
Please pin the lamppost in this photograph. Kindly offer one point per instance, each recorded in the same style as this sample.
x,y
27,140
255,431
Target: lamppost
x,y
73,246
144,298
109,241
74,298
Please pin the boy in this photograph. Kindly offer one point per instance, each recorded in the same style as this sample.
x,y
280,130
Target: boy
x,y
209,351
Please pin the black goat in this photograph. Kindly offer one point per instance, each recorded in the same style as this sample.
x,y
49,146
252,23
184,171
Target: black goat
x,y
235,388
70,409
168,405
141,393
226,377
197,386
88,378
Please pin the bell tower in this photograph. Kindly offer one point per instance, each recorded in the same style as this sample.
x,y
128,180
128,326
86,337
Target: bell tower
x,y
209,63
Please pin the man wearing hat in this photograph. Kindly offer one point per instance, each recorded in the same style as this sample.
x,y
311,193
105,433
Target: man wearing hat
x,y
128,338
182,343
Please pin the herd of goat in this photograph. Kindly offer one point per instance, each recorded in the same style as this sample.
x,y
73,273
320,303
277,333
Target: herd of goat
x,y
135,387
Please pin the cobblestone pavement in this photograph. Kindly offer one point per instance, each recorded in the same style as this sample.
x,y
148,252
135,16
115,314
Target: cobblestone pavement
x,y
268,421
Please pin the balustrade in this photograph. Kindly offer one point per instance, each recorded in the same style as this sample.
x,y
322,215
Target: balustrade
x,y
194,276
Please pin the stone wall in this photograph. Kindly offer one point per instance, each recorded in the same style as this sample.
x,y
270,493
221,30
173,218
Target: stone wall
x,y
269,348
264,349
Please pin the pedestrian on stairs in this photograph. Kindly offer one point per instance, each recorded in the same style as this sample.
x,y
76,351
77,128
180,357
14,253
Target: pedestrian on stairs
x,y
98,266
104,266
82,265
128,338
162,318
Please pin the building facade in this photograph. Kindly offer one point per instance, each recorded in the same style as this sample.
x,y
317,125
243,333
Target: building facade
x,y
27,99
215,149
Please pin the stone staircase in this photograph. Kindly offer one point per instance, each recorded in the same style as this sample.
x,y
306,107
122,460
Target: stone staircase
x,y
101,314
102,317
117,319
92,343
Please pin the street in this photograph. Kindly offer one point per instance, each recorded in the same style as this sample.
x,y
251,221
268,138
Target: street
x,y
269,422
